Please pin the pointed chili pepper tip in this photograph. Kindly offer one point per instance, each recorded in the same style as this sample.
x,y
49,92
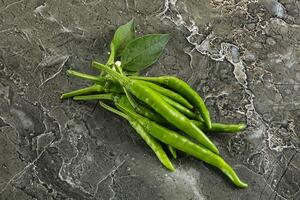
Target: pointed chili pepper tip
x,y
243,185
242,126
171,167
62,96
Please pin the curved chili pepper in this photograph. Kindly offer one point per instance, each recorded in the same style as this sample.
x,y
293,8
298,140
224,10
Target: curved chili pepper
x,y
168,93
185,90
179,107
150,140
178,141
218,127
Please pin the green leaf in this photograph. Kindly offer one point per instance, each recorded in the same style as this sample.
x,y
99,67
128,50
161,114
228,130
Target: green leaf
x,y
123,35
143,52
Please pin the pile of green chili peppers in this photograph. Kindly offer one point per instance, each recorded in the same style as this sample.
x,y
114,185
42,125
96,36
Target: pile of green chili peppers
x,y
160,109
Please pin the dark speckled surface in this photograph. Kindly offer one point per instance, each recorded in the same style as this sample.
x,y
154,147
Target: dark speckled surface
x,y
241,56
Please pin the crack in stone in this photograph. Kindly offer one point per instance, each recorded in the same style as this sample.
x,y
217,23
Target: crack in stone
x,y
20,173
65,170
14,145
127,5
269,184
110,174
42,183
10,5
225,52
39,10
282,175
8,29
189,53
58,71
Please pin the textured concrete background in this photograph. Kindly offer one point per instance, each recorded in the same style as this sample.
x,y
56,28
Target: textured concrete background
x,y
242,56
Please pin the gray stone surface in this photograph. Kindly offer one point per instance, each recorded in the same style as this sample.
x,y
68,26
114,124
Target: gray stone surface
x,y
242,57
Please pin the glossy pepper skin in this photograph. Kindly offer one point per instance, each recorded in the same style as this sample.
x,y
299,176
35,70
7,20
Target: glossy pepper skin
x,y
173,98
154,116
179,107
150,140
172,151
218,127
82,91
142,110
172,115
154,100
185,90
168,93
153,144
178,141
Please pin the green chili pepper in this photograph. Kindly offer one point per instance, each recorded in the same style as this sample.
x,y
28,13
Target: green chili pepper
x,y
131,104
185,90
154,100
168,93
178,141
153,144
172,151
150,141
142,110
180,107
154,116
107,86
138,108
174,99
86,90
111,86
109,96
218,127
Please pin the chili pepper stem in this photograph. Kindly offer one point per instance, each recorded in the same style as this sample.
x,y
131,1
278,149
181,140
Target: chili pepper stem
x,y
86,76
90,89
113,110
111,57
117,65
119,77
109,96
